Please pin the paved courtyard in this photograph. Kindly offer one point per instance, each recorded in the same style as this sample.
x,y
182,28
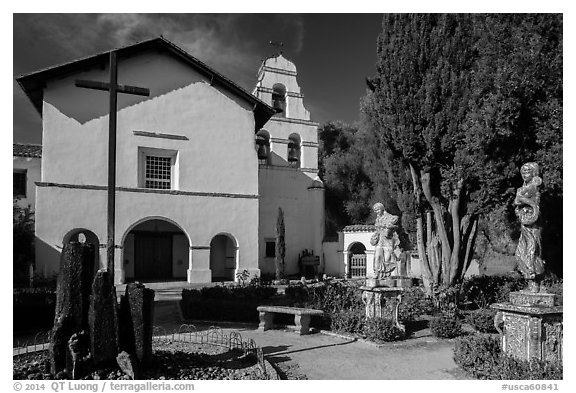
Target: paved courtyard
x,y
320,356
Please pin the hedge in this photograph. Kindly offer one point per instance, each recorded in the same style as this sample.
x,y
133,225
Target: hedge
x,y
480,356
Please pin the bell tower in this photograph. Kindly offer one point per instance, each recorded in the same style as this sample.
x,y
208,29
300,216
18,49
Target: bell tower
x,y
293,136
287,149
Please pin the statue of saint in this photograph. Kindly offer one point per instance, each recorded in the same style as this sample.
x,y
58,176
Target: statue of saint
x,y
527,208
384,257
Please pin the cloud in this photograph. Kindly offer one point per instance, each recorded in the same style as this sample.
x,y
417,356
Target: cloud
x,y
233,44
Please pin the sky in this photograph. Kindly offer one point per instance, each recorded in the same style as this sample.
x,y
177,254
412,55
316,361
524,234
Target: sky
x,y
333,53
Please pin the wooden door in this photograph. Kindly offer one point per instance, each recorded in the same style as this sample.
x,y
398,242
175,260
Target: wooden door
x,y
153,256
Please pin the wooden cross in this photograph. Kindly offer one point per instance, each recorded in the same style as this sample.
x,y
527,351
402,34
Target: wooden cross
x,y
114,88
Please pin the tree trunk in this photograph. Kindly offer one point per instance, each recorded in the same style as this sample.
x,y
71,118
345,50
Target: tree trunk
x,y
428,275
469,240
445,250
444,259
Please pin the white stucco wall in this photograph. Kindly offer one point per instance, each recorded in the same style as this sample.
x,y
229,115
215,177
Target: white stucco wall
x,y
32,167
288,189
333,259
218,158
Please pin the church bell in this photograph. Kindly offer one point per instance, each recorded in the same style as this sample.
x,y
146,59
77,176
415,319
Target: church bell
x,y
262,148
293,155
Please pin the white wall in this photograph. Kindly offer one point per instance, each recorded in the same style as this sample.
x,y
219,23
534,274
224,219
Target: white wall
x,y
219,157
287,189
333,259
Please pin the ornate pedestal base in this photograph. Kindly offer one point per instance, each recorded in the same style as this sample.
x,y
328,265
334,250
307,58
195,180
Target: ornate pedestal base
x,y
530,326
382,302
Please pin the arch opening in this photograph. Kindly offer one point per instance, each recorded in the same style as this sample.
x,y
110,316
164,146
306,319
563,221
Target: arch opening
x,y
223,258
294,150
83,235
357,260
155,250
279,99
263,146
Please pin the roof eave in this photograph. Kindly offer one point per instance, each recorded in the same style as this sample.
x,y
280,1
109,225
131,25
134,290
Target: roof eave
x,y
35,82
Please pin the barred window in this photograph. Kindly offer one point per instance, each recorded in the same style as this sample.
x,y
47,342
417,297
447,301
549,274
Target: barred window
x,y
158,172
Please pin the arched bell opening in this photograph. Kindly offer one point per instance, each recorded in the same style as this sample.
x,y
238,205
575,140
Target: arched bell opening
x,y
294,150
263,146
279,99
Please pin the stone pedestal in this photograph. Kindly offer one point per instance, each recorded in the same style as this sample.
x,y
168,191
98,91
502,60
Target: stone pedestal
x,y
382,302
530,326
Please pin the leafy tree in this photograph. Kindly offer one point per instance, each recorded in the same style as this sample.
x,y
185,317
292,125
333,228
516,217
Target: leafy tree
x,y
417,108
458,104
23,242
280,245
348,189
516,116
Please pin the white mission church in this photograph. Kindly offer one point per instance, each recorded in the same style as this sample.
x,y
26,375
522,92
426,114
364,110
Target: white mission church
x,y
202,166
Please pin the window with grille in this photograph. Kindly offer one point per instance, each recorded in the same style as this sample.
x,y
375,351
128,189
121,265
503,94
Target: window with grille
x,y
19,183
358,265
158,172
158,168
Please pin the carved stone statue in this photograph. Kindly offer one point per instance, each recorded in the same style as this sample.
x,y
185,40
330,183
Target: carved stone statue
x,y
527,208
384,240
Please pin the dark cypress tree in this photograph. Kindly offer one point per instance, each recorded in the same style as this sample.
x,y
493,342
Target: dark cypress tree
x,y
280,245
417,109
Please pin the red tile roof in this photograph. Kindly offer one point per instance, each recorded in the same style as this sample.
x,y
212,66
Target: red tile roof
x,y
23,150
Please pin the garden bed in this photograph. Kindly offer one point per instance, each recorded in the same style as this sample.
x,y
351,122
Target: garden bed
x,y
171,360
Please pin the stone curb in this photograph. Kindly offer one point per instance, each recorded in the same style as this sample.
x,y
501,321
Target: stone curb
x,y
395,344
216,323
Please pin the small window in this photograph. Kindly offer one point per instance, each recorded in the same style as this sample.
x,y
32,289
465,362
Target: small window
x,y
158,172
19,183
158,169
270,248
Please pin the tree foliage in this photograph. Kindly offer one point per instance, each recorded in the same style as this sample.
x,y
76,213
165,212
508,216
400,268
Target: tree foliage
x,y
23,242
348,189
458,104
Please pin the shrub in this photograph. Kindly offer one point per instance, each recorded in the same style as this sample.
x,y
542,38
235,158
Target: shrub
x,y
446,326
348,321
332,297
485,290
554,284
382,330
445,299
33,308
477,355
414,304
232,292
22,243
297,293
482,320
481,357
225,303
220,309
